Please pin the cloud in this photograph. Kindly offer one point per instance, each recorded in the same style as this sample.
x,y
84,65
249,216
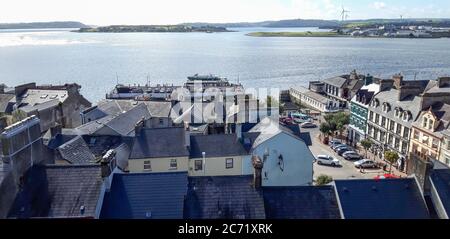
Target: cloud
x,y
379,5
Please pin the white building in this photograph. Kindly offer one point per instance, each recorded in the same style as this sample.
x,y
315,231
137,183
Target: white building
x,y
286,157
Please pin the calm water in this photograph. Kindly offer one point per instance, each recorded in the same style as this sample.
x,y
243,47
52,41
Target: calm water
x,y
94,59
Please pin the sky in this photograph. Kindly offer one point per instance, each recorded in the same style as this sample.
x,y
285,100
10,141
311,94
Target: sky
x,y
107,12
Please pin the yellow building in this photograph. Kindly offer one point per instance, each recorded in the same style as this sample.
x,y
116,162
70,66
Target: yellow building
x,y
175,150
216,155
427,138
159,150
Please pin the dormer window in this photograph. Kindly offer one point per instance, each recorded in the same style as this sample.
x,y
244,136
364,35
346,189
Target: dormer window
x,y
386,107
425,122
406,116
398,112
430,124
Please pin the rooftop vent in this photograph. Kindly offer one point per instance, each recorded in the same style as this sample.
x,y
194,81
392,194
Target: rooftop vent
x,y
374,188
148,215
345,189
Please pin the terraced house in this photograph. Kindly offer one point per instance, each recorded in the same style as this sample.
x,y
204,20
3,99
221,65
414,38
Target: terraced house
x,y
359,110
429,139
393,111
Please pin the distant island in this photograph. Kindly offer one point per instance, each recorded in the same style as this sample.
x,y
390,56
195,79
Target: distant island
x,y
154,28
42,25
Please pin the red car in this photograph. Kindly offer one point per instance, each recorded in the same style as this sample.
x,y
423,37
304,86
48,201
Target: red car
x,y
385,176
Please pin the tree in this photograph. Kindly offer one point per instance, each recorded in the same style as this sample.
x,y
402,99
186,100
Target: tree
x,y
391,157
367,144
323,180
325,129
337,122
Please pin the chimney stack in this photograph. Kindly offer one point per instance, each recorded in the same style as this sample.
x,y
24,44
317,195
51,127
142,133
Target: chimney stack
x,y
55,130
187,138
139,126
443,82
258,166
398,81
108,163
238,131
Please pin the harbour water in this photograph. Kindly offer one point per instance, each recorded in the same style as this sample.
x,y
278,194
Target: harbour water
x,y
98,61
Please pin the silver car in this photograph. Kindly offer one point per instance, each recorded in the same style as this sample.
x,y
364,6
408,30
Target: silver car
x,y
327,160
365,163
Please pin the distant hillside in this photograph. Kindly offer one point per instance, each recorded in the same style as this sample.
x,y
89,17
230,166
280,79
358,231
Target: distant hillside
x,y
281,23
154,28
328,23
38,25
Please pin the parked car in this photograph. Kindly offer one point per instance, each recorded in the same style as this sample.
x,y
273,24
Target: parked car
x,y
308,125
338,146
334,143
351,155
342,150
365,163
385,176
327,160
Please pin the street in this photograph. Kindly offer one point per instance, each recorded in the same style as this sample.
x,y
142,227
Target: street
x,y
346,171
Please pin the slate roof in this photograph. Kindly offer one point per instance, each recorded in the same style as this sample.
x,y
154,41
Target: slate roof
x,y
309,202
381,199
410,103
123,124
115,107
336,81
311,94
441,182
146,196
159,143
41,106
216,145
159,108
58,140
269,127
58,191
5,104
76,151
228,197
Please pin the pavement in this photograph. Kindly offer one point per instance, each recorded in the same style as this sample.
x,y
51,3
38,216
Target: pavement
x,y
346,171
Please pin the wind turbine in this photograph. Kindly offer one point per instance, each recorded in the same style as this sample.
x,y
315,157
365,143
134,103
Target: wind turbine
x,y
344,14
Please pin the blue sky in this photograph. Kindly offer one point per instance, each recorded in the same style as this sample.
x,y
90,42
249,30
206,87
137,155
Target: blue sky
x,y
104,12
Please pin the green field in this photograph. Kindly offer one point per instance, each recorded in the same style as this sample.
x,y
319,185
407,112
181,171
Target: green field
x,y
294,34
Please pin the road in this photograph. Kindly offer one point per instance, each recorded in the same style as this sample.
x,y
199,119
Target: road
x,y
347,171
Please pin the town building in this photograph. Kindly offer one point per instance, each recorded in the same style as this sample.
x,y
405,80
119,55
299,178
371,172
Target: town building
x,y
359,110
160,150
391,114
427,132
286,157
311,99
341,89
445,148
216,155
53,104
